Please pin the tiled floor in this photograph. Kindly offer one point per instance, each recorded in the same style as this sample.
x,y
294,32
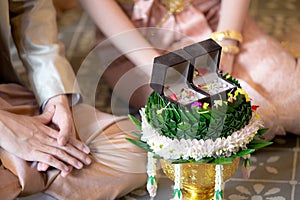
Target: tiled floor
x,y
276,17
276,169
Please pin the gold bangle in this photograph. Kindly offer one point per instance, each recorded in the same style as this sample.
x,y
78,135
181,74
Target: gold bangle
x,y
222,35
231,49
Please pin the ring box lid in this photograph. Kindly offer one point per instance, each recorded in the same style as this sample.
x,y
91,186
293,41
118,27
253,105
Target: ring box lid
x,y
190,74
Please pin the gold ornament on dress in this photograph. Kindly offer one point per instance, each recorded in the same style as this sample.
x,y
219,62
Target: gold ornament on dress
x,y
173,7
176,6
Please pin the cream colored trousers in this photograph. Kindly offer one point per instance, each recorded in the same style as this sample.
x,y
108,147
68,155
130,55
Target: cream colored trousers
x,y
118,167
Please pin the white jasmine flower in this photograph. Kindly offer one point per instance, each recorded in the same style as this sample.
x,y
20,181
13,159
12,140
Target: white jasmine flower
x,y
173,149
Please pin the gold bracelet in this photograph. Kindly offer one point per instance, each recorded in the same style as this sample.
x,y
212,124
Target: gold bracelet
x,y
222,35
231,49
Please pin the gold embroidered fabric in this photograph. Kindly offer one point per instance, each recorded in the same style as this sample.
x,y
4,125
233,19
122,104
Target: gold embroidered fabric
x,y
173,6
176,6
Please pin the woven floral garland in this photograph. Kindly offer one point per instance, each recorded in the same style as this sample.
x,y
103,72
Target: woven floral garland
x,y
177,183
151,172
219,183
172,149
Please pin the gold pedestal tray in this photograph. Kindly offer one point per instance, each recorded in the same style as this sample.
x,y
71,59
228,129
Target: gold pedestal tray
x,y
198,180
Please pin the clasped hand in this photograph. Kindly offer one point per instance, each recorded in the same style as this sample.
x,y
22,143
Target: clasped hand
x,y
32,139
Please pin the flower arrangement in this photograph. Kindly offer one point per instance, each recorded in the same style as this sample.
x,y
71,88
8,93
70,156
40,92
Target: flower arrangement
x,y
196,115
201,133
213,132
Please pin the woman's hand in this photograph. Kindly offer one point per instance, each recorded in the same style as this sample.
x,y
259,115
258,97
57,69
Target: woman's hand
x,y
226,63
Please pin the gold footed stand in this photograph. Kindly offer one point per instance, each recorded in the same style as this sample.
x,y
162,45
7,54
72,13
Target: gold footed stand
x,y
198,180
196,193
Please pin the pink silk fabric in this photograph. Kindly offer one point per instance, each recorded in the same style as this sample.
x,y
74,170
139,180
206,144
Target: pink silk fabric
x,y
195,22
265,69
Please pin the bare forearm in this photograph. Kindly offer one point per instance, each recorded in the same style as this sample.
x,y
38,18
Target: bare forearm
x,y
232,15
121,31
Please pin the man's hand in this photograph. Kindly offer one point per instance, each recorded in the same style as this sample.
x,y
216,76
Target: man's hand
x,y
32,140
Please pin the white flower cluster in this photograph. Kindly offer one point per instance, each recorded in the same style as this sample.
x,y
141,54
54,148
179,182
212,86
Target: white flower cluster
x,y
173,149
